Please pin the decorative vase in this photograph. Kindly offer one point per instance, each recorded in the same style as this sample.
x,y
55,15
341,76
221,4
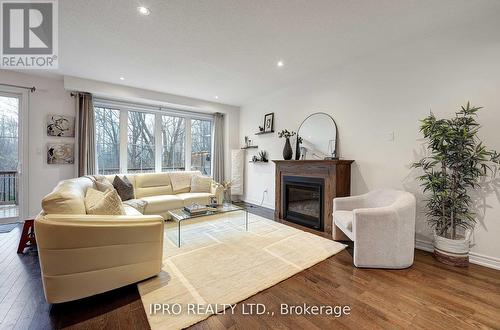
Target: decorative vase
x,y
454,252
287,150
227,197
297,149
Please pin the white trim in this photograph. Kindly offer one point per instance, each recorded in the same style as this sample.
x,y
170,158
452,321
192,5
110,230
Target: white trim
x,y
123,140
23,148
151,108
188,147
158,142
474,258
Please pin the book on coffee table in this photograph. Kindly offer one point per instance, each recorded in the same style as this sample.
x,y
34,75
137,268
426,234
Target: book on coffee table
x,y
194,209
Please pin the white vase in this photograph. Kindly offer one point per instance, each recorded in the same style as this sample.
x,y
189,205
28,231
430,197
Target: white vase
x,y
453,252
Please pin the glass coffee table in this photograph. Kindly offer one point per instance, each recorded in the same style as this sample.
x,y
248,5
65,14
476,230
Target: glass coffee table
x,y
179,215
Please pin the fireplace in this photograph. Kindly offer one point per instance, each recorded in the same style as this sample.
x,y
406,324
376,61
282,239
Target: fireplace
x,y
303,201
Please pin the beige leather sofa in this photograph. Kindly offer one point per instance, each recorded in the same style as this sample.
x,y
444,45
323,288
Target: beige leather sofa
x,y
82,255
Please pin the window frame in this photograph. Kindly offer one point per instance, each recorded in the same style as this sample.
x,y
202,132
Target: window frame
x,y
158,111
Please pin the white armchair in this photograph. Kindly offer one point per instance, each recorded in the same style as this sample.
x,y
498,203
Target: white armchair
x,y
382,225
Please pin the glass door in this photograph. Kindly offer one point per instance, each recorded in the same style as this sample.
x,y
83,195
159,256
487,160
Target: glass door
x,y
9,158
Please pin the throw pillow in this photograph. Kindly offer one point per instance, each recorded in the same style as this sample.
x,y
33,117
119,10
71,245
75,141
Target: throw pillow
x,y
201,184
137,204
103,203
103,185
124,188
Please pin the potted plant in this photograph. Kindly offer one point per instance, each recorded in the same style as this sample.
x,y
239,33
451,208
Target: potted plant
x,y
287,149
456,162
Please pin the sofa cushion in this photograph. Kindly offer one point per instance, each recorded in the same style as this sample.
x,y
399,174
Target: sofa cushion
x,y
124,188
67,197
160,204
199,198
103,203
201,184
344,219
152,184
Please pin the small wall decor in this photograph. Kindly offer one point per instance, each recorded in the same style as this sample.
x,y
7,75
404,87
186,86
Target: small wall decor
x,y
60,125
269,122
60,153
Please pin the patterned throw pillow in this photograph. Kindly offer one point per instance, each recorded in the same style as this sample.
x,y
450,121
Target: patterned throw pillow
x,y
201,184
103,203
137,204
124,188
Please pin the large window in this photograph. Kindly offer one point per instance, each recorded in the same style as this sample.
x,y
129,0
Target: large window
x,y
201,146
107,129
141,142
136,138
173,132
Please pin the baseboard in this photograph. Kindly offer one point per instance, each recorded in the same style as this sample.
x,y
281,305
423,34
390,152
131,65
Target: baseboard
x,y
257,203
474,258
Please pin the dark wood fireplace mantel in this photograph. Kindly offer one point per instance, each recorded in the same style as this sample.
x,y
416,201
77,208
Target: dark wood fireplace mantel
x,y
337,183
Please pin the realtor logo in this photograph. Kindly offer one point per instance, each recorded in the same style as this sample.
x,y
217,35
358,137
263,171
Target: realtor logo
x,y
29,34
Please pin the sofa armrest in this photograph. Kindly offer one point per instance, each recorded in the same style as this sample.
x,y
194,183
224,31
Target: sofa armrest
x,y
218,190
83,255
348,203
68,231
379,239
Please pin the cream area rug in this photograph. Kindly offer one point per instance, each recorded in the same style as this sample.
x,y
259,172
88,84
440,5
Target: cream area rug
x,y
220,263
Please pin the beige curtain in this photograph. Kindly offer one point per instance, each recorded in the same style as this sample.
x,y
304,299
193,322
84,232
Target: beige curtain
x,y
86,141
218,157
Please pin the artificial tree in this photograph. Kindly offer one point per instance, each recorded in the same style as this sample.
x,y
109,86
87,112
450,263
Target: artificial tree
x,y
456,162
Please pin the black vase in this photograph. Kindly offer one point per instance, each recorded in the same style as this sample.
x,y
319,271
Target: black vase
x,y
287,150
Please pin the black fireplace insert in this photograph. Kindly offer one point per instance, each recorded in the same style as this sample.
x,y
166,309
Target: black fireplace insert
x,y
303,201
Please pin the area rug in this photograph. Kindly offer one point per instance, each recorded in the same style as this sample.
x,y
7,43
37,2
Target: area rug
x,y
220,263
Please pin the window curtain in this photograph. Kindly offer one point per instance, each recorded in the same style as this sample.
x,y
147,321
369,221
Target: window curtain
x,y
218,163
86,140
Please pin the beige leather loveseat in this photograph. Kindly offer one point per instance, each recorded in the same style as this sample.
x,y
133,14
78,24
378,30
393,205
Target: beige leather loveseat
x,y
82,255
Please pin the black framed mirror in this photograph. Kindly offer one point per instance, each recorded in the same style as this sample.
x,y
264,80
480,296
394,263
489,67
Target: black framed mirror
x,y
317,137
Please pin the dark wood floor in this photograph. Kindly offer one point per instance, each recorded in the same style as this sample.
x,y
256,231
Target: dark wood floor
x,y
428,295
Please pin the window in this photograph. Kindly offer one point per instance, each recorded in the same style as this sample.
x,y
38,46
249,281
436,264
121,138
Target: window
x,y
107,128
173,131
134,138
141,142
201,146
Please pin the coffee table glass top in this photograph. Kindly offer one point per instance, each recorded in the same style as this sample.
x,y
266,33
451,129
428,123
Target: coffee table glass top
x,y
180,214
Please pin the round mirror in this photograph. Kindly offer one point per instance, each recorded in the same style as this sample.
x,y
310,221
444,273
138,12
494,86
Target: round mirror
x,y
319,137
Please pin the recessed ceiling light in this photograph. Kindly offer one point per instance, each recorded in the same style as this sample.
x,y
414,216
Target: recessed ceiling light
x,y
216,97
280,64
122,78
144,10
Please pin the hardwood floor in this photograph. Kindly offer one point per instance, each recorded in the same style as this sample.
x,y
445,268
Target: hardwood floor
x,y
428,295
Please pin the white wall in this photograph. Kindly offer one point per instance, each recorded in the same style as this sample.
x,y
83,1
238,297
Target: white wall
x,y
132,94
389,91
49,98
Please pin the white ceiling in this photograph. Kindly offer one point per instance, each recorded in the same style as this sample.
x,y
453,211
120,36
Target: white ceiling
x,y
230,48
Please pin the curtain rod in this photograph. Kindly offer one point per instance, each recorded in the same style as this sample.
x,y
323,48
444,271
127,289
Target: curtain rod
x,y
32,89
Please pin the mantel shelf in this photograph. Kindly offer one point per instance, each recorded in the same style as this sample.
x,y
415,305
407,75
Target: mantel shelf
x,y
249,147
259,162
261,133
